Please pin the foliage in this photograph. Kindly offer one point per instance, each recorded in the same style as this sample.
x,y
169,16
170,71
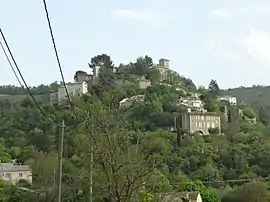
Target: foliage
x,y
256,96
207,194
249,112
213,87
139,151
253,191
145,196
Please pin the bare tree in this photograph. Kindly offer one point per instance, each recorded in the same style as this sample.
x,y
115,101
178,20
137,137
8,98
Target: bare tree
x,y
120,168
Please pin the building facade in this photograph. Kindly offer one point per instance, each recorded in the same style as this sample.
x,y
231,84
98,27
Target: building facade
x,y
81,76
231,100
182,197
201,122
12,173
129,101
165,63
73,89
144,83
164,69
196,104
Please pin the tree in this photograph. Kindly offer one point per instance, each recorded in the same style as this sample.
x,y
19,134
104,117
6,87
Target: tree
x,y
142,65
148,61
106,80
214,131
154,75
249,112
121,167
101,59
106,77
136,154
207,194
213,87
251,192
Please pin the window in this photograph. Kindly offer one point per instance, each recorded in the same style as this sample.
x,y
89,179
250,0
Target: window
x,y
202,117
197,124
208,125
20,174
212,125
200,124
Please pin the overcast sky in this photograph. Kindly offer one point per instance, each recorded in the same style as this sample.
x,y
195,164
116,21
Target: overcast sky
x,y
225,40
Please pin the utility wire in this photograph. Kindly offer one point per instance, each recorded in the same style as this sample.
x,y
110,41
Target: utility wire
x,y
10,64
25,84
222,181
57,57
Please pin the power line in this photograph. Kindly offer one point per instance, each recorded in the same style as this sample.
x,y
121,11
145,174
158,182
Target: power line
x,y
223,181
11,65
57,57
13,59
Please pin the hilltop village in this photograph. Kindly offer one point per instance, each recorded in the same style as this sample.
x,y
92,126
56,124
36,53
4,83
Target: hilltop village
x,y
140,121
195,118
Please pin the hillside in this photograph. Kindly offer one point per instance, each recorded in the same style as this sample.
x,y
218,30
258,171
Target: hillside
x,y
138,151
17,94
256,96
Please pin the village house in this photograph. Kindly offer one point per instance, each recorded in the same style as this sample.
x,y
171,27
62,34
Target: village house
x,y
252,121
12,172
201,122
183,197
129,101
195,104
231,100
192,100
81,76
164,68
73,89
144,83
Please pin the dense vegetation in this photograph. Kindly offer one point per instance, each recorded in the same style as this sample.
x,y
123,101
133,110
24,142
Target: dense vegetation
x,y
136,155
256,96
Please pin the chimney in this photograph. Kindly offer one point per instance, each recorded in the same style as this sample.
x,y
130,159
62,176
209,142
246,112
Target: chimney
x,y
14,161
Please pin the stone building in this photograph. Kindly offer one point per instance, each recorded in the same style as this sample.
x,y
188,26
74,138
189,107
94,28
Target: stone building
x,y
164,69
201,122
74,89
12,172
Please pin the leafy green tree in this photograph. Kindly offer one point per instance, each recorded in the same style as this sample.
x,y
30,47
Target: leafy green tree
x,y
249,112
154,75
145,195
135,142
142,65
102,59
251,192
213,87
207,194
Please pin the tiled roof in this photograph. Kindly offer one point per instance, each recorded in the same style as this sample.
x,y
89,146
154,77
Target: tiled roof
x,y
203,113
180,197
6,167
164,59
